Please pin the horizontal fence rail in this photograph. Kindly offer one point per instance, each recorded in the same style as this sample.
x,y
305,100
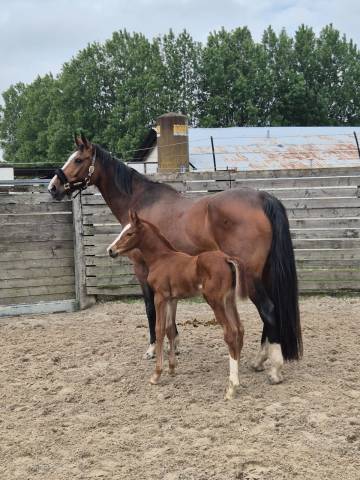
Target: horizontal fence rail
x,y
323,206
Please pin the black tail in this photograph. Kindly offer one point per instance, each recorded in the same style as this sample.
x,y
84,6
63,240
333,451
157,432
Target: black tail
x,y
283,288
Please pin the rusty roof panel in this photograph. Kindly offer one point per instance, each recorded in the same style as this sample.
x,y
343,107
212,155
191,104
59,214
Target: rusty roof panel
x,y
257,148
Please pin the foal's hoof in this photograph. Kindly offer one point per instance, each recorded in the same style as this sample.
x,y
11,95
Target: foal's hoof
x,y
275,378
177,345
154,379
231,392
150,352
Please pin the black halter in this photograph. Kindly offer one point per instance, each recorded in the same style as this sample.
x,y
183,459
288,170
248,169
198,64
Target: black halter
x,y
70,187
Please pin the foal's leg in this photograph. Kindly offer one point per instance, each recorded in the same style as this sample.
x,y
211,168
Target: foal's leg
x,y
233,318
233,336
270,340
161,309
151,315
171,334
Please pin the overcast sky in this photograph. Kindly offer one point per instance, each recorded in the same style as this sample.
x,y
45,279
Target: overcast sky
x,y
38,36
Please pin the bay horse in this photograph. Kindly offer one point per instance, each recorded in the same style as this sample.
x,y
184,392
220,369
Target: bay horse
x,y
249,225
176,275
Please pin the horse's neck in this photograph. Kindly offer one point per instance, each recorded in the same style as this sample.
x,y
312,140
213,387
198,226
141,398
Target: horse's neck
x,y
118,201
153,246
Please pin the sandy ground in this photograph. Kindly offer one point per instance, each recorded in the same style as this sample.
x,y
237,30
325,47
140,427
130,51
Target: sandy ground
x,y
75,402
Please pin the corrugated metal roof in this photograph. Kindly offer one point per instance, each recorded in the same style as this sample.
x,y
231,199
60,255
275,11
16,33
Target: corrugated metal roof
x,y
257,148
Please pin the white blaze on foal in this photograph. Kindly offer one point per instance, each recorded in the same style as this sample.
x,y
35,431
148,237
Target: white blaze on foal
x,y
124,230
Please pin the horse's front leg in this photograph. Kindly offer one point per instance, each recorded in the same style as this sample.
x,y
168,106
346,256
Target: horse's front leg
x,y
151,316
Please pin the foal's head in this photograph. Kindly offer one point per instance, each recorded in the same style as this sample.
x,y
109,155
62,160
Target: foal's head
x,y
129,237
78,171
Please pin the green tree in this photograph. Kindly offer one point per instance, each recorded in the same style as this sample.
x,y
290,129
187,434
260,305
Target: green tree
x,y
229,80
10,114
181,57
339,76
29,143
136,73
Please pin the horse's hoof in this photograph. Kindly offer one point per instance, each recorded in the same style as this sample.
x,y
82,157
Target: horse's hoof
x,y
257,366
154,379
231,392
275,378
150,352
172,372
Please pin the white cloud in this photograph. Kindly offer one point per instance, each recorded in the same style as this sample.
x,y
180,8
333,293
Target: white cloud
x,y
38,36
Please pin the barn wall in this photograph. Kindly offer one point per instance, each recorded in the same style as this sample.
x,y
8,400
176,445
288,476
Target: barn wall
x,y
36,251
324,212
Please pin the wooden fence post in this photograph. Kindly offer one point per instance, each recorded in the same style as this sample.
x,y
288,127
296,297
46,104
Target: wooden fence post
x,y
82,297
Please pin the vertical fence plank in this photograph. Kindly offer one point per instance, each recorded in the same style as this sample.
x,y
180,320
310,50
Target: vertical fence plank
x,y
82,297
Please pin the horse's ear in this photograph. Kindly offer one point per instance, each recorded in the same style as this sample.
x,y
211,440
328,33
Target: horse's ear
x,y
77,140
85,141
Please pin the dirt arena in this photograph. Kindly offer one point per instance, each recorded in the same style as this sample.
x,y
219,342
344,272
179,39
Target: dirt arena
x,y
75,402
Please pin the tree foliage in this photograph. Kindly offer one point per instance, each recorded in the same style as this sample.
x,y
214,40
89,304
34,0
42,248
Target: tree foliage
x,y
114,91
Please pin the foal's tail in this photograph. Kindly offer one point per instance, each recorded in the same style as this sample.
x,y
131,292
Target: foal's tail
x,y
240,278
283,287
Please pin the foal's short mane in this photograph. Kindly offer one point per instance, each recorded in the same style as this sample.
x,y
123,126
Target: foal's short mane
x,y
157,232
124,175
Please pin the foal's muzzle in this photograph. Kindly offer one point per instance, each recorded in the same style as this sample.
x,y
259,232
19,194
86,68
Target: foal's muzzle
x,y
112,253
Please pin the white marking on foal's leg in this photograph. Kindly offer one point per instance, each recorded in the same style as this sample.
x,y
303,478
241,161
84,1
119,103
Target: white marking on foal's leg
x,y
233,379
258,363
150,352
276,363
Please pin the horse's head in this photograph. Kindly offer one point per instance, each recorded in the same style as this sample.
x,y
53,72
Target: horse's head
x,y
129,237
78,171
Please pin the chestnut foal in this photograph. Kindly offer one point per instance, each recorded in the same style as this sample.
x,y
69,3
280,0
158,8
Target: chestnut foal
x,y
175,275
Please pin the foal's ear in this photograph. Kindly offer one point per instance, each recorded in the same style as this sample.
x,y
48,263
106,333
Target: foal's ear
x,y
134,217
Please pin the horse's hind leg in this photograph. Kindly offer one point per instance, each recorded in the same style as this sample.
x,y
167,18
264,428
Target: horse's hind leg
x,y
258,363
171,333
270,340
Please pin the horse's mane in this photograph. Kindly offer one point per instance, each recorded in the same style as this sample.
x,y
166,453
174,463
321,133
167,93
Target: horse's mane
x,y
124,175
157,232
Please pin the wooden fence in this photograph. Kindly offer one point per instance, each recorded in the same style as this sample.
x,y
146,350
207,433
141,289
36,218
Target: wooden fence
x,y
36,251
40,238
323,207
41,252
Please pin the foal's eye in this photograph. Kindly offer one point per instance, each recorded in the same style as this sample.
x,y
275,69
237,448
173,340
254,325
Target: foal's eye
x,y
78,160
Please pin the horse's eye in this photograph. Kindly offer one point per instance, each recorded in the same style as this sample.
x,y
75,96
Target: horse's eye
x,y
78,160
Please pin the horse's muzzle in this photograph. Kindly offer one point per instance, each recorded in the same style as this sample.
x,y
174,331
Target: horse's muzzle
x,y
56,193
